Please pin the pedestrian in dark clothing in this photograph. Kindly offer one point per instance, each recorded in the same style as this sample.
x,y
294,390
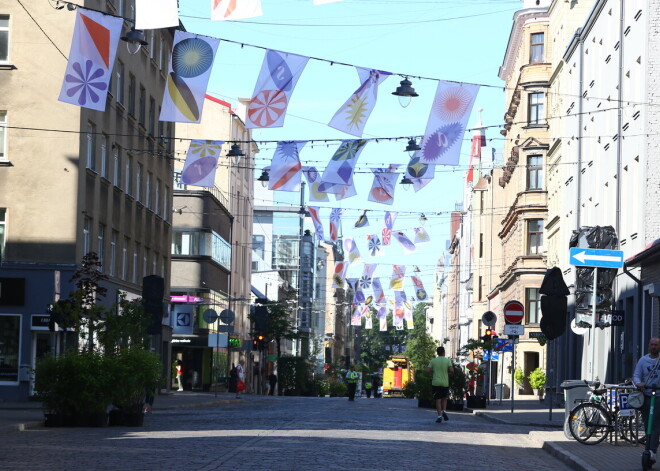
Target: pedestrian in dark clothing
x,y
233,378
351,381
272,381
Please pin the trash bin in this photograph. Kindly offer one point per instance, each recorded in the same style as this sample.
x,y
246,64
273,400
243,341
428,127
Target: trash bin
x,y
501,391
575,391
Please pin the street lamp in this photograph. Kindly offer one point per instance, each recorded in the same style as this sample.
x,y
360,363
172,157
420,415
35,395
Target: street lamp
x,y
134,40
405,92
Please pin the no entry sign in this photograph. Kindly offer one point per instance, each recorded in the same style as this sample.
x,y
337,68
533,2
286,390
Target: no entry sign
x,y
514,312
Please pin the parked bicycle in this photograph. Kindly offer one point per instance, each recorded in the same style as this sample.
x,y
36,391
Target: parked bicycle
x,y
606,414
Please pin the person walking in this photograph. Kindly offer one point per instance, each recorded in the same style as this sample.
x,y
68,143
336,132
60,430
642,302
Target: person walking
x,y
441,367
240,383
647,375
351,381
272,381
179,374
368,385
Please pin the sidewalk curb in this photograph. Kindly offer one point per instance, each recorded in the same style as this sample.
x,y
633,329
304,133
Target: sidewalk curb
x,y
559,453
492,418
21,427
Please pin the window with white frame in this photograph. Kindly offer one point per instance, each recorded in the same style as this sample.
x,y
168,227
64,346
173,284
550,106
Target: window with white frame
x,y
113,253
10,340
116,166
3,135
124,258
535,108
100,246
119,80
128,174
3,231
533,305
534,172
4,38
87,228
534,236
104,156
91,146
536,46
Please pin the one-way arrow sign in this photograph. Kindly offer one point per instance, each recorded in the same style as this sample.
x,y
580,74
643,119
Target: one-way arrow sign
x,y
596,258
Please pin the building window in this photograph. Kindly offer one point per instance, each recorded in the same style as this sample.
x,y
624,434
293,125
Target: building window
x,y
119,78
145,262
481,244
536,48
154,263
534,236
128,174
534,172
100,247
147,190
533,307
116,167
91,146
152,44
124,258
480,288
104,156
3,135
166,213
161,53
536,101
136,255
113,253
3,231
138,182
120,7
131,94
152,116
142,119
259,245
4,38
87,227
157,198
10,340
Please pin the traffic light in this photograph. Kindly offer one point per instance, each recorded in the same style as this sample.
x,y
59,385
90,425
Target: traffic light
x,y
487,336
259,342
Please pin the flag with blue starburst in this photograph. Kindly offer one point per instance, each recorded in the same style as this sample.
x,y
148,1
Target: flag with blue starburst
x,y
352,116
285,167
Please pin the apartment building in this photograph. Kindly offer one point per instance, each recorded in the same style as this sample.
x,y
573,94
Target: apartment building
x,y
75,180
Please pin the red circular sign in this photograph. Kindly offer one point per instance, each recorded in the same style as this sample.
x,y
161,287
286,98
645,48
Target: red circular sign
x,y
514,312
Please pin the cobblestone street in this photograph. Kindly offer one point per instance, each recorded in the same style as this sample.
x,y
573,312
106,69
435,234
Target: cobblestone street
x,y
283,433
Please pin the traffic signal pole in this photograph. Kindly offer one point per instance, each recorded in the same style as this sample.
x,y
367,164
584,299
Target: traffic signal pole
x,y
513,370
593,326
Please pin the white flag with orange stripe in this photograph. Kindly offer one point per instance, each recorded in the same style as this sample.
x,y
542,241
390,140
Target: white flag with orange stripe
x,y
222,10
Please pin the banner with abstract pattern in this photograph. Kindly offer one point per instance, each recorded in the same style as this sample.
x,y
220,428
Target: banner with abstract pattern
x,y
383,186
390,217
335,223
201,163
155,14
447,121
223,10
188,77
285,168
339,170
314,180
279,74
91,58
314,213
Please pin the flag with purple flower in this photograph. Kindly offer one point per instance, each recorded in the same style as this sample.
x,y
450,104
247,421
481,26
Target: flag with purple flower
x,y
92,55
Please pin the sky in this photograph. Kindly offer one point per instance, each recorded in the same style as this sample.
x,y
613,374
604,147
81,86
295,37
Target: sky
x,y
455,40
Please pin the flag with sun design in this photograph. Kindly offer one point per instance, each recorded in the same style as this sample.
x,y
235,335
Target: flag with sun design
x,y
92,55
354,113
338,277
201,163
447,121
335,223
188,77
285,167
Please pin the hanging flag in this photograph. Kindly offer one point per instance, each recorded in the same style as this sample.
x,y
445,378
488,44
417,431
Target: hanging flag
x,y
316,219
421,236
201,162
350,248
408,246
420,292
339,170
354,113
383,324
91,57
362,221
235,9
155,14
398,272
419,173
374,245
447,121
397,316
335,223
338,276
279,74
367,275
379,294
382,188
356,318
389,219
369,322
358,295
345,191
314,180
410,323
475,155
189,72
285,168
353,283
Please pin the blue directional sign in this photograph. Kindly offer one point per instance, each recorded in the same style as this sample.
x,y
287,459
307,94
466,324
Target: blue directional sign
x,y
488,355
503,345
599,258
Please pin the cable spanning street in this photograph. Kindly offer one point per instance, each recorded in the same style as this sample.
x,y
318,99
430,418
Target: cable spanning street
x,y
282,433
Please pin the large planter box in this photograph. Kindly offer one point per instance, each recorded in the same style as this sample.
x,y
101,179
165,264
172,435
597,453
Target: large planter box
x,y
455,405
476,402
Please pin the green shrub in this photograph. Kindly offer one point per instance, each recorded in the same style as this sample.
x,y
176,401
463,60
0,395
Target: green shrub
x,y
519,377
134,371
338,388
537,379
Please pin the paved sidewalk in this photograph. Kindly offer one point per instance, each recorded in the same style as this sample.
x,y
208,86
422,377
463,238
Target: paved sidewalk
x,y
547,434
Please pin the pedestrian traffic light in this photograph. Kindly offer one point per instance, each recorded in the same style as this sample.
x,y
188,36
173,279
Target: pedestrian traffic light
x,y
487,336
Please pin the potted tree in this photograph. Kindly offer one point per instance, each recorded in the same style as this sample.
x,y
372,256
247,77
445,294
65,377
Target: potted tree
x,y
519,378
537,381
457,387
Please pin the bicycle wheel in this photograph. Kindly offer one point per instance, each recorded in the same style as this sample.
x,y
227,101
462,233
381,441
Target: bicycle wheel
x,y
634,429
589,423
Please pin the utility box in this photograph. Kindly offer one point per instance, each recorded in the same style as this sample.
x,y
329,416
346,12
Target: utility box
x,y
502,391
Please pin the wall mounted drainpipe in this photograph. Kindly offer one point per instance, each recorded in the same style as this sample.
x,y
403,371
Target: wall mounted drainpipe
x,y
640,293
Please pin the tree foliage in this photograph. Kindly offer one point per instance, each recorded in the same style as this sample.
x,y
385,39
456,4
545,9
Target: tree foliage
x,y
280,324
